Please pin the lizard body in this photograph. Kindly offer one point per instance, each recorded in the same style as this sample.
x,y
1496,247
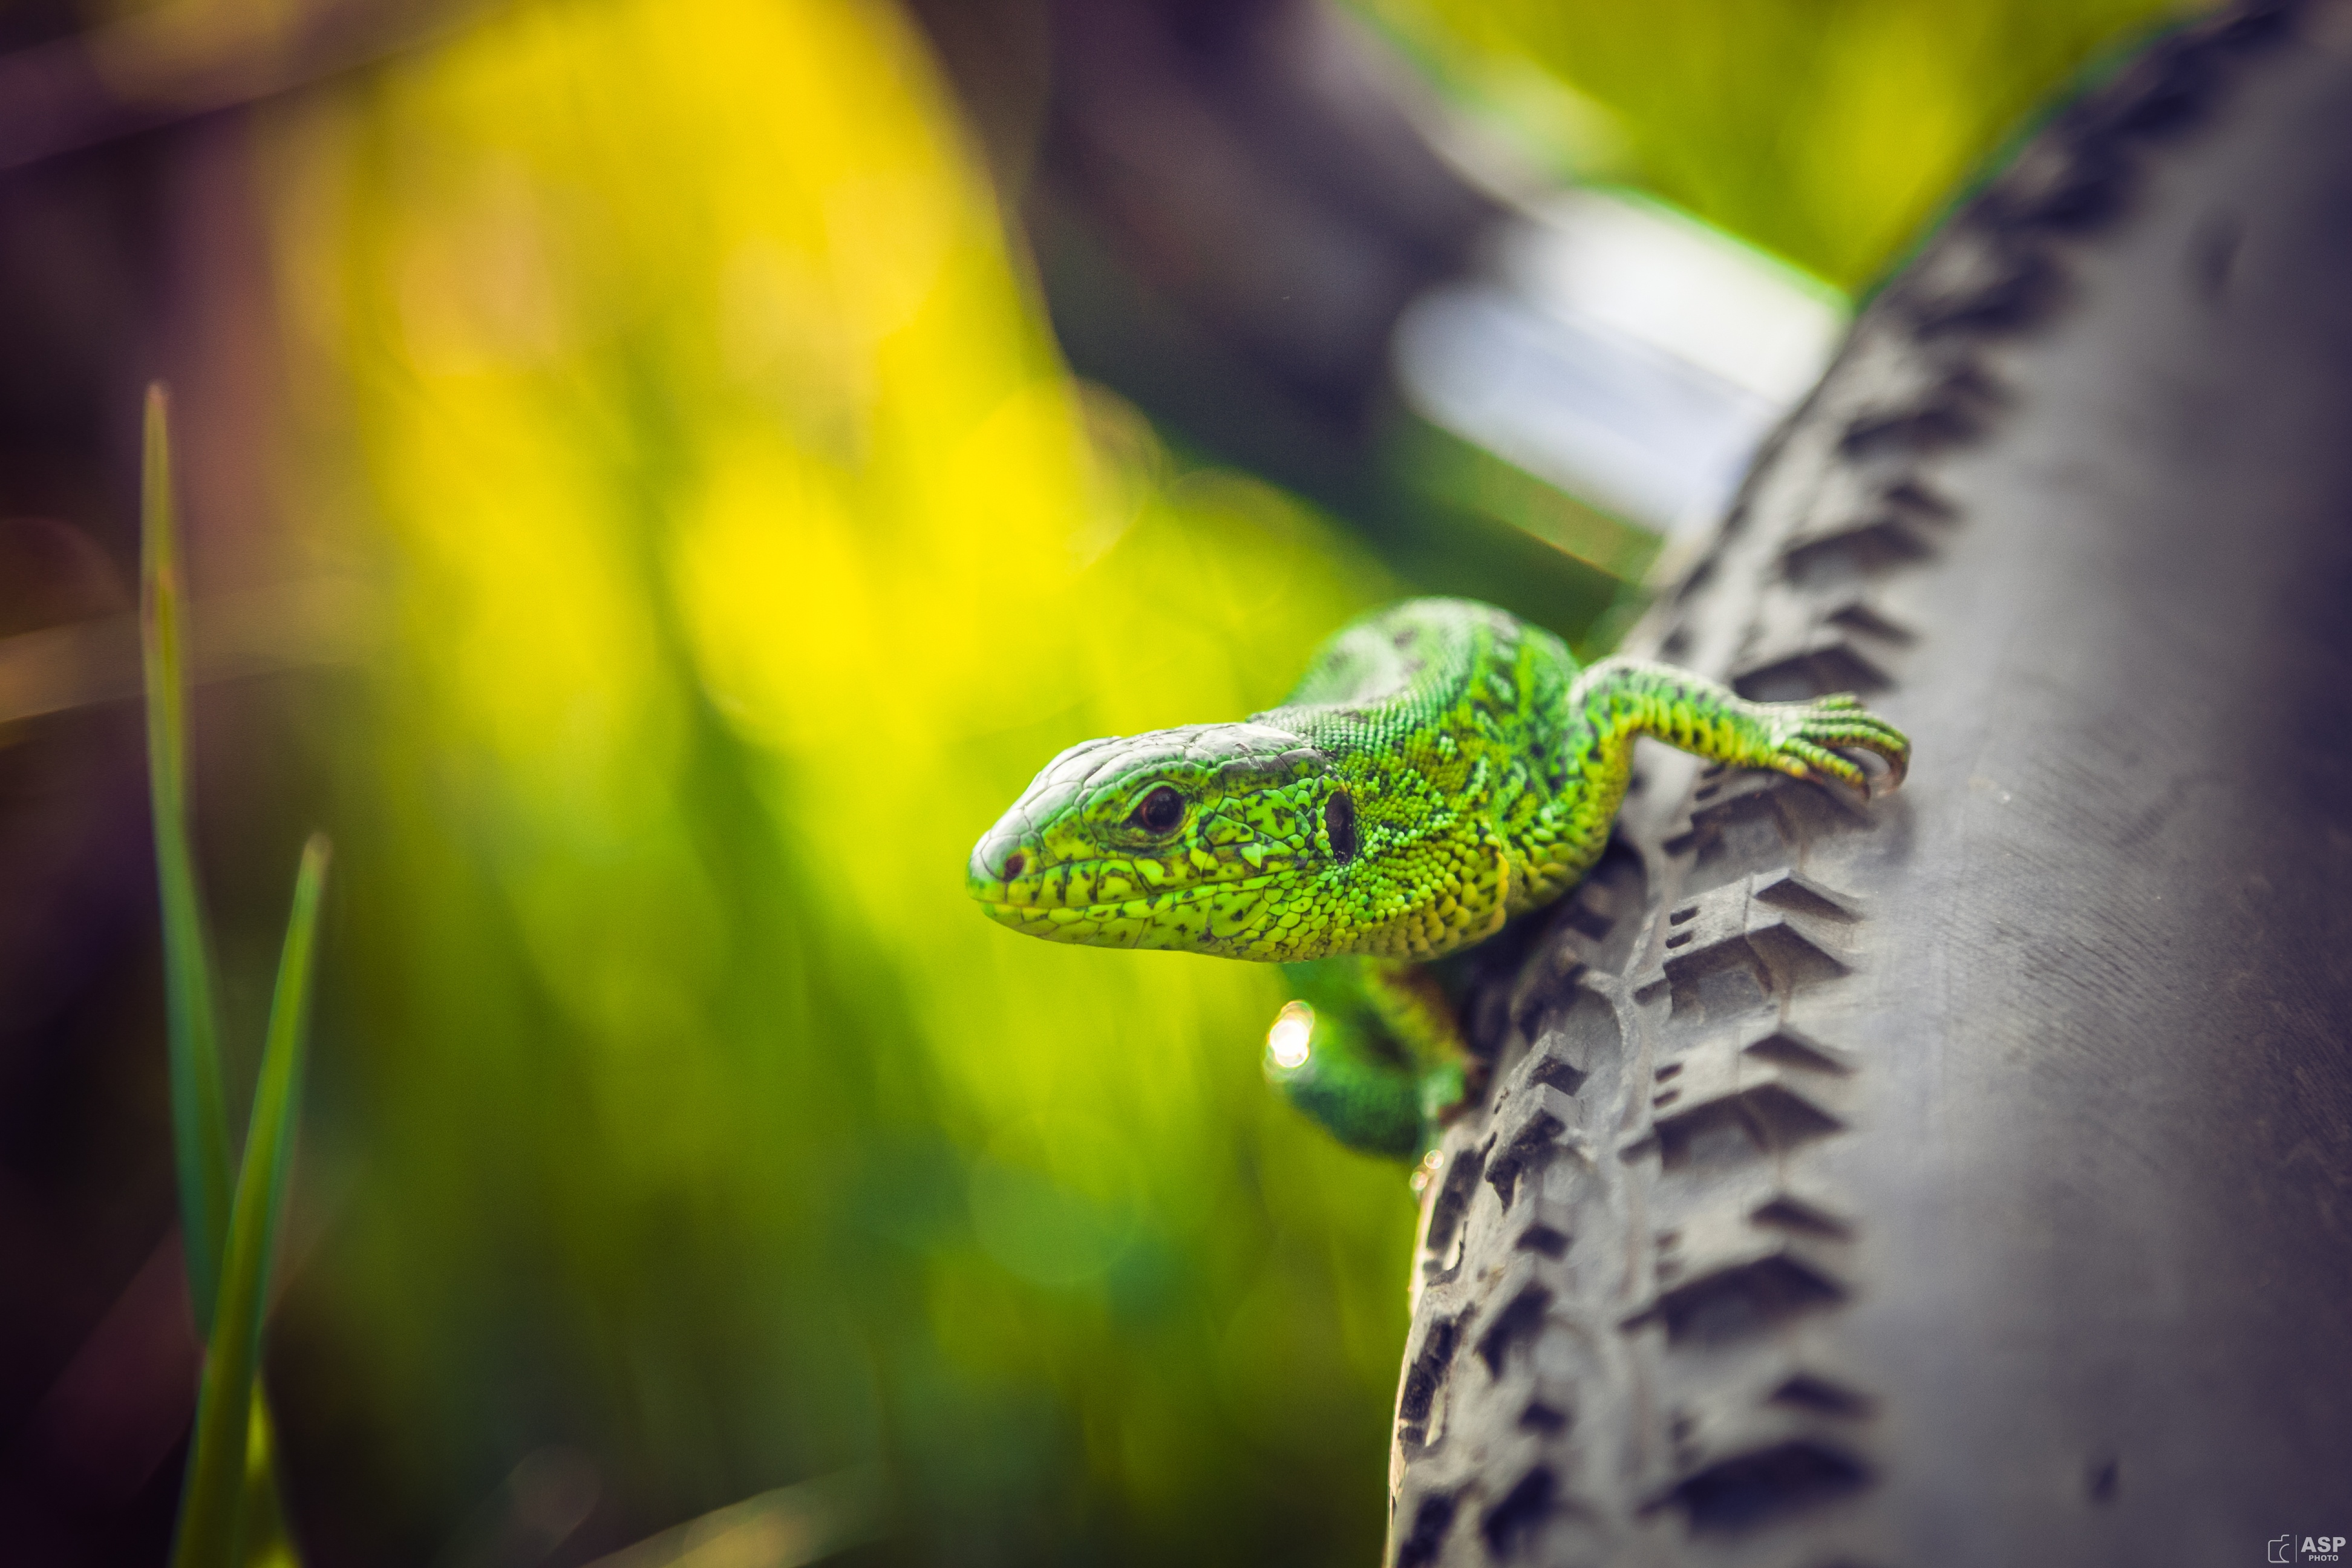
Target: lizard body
x,y
1441,767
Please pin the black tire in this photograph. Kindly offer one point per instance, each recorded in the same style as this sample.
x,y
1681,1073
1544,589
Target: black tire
x,y
1967,1177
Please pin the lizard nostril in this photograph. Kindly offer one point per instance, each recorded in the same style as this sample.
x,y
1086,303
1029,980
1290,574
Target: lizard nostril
x,y
1013,865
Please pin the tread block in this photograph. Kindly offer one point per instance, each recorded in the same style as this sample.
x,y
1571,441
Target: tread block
x,y
1950,409
1862,521
1547,1224
1613,892
1521,1512
2057,186
1857,491
1861,614
1758,817
1756,1118
1720,1276
1708,956
1785,1211
1433,1516
1528,1134
1718,1426
1852,547
1733,1298
2075,178
1793,1048
1754,1485
1979,280
1806,645
1826,659
1710,1431
1732,947
1801,894
1519,1323
1570,1045
2164,90
1547,1240
1425,1375
1723,1105
1788,616
1812,1390
1556,1072
1451,1206
1721,783
1544,1419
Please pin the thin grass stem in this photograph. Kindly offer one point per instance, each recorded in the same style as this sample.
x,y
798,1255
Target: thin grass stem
x,y
213,1506
199,1121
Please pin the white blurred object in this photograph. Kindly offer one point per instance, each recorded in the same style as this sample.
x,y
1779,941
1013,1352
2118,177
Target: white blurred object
x,y
1627,354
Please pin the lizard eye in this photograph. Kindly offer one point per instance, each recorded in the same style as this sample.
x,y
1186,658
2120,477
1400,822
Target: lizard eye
x,y
1339,824
1160,811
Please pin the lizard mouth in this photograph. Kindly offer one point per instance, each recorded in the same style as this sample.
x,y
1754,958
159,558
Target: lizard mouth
x,y
1144,904
1035,887
1167,916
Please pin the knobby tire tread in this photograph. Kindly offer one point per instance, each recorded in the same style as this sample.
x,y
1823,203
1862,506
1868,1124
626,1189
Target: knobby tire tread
x,y
1962,1176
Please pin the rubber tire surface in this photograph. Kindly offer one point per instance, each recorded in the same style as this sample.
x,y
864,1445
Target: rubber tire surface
x,y
1965,1177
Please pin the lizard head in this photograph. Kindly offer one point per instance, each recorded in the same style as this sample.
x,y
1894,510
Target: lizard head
x,y
1205,839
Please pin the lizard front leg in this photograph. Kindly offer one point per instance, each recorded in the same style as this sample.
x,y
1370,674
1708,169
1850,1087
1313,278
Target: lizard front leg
x,y
1619,697
1368,1048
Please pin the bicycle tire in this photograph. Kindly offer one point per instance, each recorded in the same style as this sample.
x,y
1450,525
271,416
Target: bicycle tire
x,y
1966,1176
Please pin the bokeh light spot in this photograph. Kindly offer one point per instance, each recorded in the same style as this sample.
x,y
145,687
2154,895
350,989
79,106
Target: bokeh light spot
x,y
1288,1041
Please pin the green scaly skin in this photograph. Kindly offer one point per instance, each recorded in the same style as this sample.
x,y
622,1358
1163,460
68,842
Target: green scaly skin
x,y
1441,768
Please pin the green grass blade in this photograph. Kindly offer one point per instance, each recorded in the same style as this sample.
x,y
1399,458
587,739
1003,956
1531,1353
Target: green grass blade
x,y
211,1508
266,1543
199,1123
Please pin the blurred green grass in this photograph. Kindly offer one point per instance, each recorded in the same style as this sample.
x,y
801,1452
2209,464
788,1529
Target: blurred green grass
x,y
752,552
231,1509
1826,131
747,550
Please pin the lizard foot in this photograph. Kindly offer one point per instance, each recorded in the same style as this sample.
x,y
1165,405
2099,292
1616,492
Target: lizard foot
x,y
1807,738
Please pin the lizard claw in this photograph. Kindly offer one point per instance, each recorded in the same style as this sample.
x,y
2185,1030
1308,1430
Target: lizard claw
x,y
1812,734
1814,759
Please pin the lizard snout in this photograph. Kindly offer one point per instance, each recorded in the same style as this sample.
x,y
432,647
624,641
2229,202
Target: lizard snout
x,y
1003,855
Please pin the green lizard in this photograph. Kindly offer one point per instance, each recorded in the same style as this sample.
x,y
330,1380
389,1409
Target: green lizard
x,y
1442,767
